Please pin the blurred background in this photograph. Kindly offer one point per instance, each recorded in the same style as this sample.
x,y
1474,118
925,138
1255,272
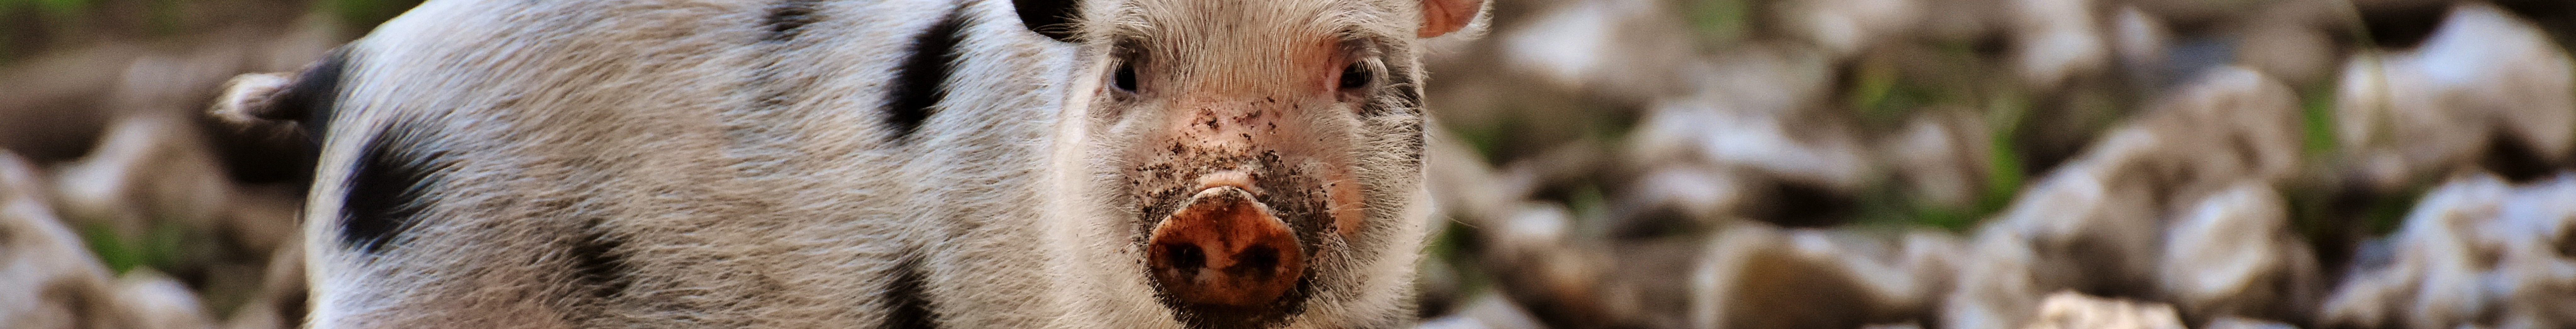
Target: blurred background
x,y
1621,164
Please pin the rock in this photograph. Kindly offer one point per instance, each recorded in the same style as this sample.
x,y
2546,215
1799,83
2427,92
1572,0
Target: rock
x,y
2506,67
1843,28
1773,145
2071,310
2430,110
2245,323
1944,153
1486,311
1772,80
2073,229
2233,254
2228,125
2290,40
147,170
2433,280
1631,48
2378,93
1997,286
149,300
1537,264
55,282
1757,276
1702,196
2142,42
2054,40
2535,275
2473,252
2082,223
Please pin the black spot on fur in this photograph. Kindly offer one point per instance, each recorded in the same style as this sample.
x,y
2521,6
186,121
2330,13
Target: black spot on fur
x,y
597,260
387,187
787,19
922,80
905,305
1052,18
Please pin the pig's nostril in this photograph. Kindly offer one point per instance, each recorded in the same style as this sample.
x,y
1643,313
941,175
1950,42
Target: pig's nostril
x,y
1187,258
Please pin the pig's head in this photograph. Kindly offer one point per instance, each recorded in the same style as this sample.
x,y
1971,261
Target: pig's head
x,y
1234,164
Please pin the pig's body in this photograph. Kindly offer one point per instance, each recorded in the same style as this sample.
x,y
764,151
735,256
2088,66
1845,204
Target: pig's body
x,y
874,164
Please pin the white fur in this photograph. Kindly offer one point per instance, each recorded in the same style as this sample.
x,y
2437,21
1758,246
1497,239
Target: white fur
x,y
756,184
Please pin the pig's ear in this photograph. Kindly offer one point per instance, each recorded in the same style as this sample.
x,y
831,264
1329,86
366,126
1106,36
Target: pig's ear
x,y
1440,17
252,98
1052,18
300,101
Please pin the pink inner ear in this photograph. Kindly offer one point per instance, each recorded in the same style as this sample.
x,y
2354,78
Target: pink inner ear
x,y
1443,16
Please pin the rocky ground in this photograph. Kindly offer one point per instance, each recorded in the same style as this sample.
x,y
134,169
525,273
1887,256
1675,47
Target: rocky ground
x,y
1625,164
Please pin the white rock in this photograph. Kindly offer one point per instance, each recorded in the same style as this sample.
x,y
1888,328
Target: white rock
x,y
2493,62
2083,222
2535,233
2142,41
2473,252
2433,109
2233,254
149,300
1944,154
2433,281
2073,229
2055,40
1634,48
1997,286
1486,311
2245,323
2292,41
1772,144
2071,310
53,281
148,168
1845,27
1758,276
1705,196
2227,125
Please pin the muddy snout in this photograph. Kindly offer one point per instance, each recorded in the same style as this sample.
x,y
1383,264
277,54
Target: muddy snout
x,y
1225,248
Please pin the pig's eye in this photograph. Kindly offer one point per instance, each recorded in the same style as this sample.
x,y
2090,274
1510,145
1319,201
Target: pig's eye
x,y
1355,76
1125,78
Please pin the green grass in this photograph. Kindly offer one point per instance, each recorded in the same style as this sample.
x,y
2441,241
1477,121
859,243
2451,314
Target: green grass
x,y
158,247
2004,173
362,15
1720,23
2316,109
